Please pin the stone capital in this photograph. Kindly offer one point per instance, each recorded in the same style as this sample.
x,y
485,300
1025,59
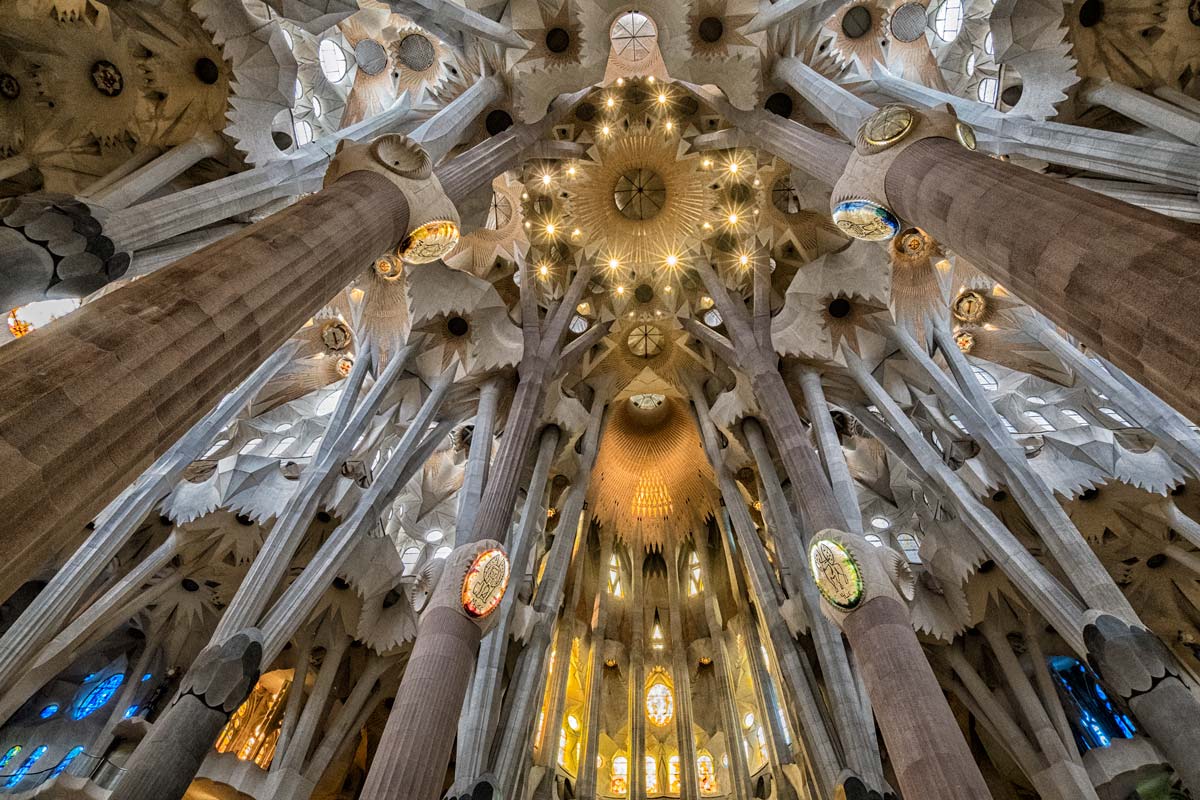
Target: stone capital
x,y
433,221
859,202
850,572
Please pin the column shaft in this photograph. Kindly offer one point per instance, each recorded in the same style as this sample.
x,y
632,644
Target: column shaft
x,y
90,401
681,667
587,771
1115,276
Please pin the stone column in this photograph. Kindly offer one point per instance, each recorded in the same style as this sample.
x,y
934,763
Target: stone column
x,y
43,617
1141,107
1115,276
175,341
637,679
739,776
587,774
480,456
926,747
163,765
682,669
159,172
314,709
829,446
769,705
481,709
841,690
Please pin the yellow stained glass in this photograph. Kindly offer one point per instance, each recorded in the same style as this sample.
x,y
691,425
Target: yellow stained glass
x,y
660,704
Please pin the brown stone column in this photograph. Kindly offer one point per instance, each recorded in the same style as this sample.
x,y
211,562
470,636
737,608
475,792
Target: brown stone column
x,y
88,403
924,742
1120,278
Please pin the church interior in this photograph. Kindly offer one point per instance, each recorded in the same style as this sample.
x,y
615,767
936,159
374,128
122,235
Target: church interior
x,y
600,400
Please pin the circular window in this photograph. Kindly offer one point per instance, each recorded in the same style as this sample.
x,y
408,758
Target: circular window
x,y
711,29
48,711
206,71
633,36
415,52
1091,12
784,197
558,40
370,56
497,121
908,22
1011,94
647,402
839,307
640,194
457,326
333,60
645,341
317,106
779,104
856,22
304,132
499,212
712,318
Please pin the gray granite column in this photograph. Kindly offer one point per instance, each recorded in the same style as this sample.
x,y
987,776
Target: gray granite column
x,y
587,774
682,672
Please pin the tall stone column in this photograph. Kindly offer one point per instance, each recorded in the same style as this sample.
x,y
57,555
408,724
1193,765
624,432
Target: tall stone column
x,y
637,680
165,762
1115,276
89,402
681,668
1142,107
829,446
769,704
480,456
587,774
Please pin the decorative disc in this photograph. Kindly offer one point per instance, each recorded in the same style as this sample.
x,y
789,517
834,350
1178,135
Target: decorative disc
x,y
10,87
389,267
965,134
107,78
969,307
965,341
336,335
429,242
486,581
836,573
865,220
885,127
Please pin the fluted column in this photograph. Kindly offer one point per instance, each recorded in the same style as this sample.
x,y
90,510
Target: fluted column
x,y
829,446
173,343
480,456
160,171
1119,278
637,678
587,774
681,667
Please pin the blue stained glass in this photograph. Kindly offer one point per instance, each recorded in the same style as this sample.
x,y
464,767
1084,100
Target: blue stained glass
x,y
147,676
26,765
66,760
49,711
97,698
131,711
1097,719
12,751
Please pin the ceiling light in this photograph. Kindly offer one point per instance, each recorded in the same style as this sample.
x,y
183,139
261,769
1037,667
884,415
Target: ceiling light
x,y
610,102
571,171
613,263
546,179
549,228
543,270
662,98
670,125
604,130
707,163
733,167
733,219
743,259
672,260
620,290
620,81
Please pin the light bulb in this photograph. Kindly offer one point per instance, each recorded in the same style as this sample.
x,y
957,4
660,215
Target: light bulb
x,y
733,167
662,98
613,263
610,102
546,179
743,260
672,260
733,219
620,290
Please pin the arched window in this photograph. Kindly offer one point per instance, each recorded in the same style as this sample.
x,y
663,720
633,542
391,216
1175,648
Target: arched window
x,y
660,703
651,775
985,378
695,580
12,752
26,765
562,747
132,711
298,90
71,755
1040,423
249,446
283,445
98,696
873,539
987,90
614,577
956,422
1008,426
409,559
1034,400
989,44
673,774
311,450
706,771
304,132
761,739
970,70
317,107
1073,415
912,550
333,60
880,523
618,784
948,20
443,551
633,36
579,324
216,448
1115,417
328,403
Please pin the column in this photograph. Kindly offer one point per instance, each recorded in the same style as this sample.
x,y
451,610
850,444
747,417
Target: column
x,y
738,773
587,775
829,446
1117,277
637,679
90,401
480,456
682,669
1141,107
769,705
159,172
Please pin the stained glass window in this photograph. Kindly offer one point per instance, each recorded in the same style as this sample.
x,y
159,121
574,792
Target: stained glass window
x,y
1096,720
618,784
614,577
66,760
761,737
98,697
706,770
633,35
1040,423
12,751
333,60
912,550
49,711
695,581
26,765
131,711
651,775
673,774
987,90
660,704
982,375
948,20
